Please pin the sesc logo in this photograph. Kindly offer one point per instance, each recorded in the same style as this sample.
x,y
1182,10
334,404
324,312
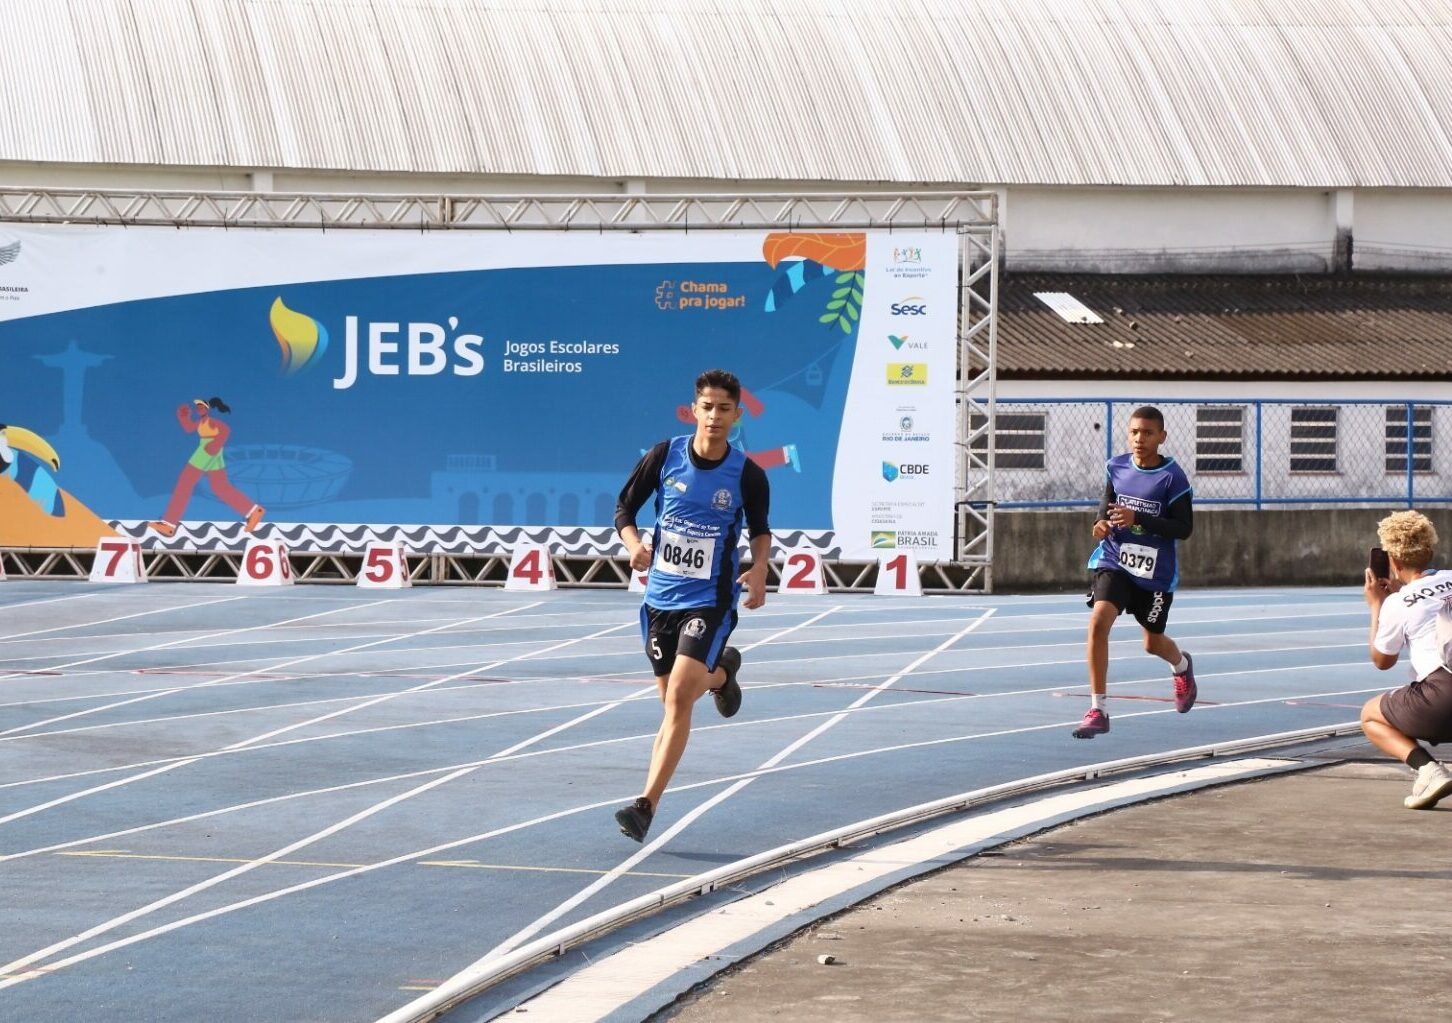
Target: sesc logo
x,y
914,305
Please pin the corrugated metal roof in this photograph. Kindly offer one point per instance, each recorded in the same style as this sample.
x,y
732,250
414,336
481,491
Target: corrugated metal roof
x,y
1328,93
1279,327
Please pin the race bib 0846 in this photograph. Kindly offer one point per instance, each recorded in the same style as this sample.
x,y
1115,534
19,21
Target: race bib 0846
x,y
687,556
1137,560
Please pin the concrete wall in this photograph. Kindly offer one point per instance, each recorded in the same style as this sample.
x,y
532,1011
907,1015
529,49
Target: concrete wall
x,y
1038,551
1121,230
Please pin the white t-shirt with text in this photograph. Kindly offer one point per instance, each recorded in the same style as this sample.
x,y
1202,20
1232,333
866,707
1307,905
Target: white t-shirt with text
x,y
1410,617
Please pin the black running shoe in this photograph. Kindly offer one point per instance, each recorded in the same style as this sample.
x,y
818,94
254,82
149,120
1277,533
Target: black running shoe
x,y
728,697
634,820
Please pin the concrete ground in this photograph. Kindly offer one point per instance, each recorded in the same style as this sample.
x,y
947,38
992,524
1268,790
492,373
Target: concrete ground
x,y
1312,896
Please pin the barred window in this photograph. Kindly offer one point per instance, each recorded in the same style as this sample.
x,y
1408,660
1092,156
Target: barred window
x,y
1018,439
1396,438
1313,439
1220,438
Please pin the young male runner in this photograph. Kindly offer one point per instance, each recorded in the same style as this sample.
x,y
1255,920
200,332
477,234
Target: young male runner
x,y
703,489
1143,515
1413,609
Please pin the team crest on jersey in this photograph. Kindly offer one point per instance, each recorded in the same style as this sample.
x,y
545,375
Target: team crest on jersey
x,y
722,500
695,628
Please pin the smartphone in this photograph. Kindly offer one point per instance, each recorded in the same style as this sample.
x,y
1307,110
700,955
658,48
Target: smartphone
x,y
1379,564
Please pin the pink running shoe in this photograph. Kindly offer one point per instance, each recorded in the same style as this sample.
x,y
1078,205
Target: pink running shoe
x,y
1185,691
1095,722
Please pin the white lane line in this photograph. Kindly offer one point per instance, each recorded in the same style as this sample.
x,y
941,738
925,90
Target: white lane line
x,y
1153,680
238,807
632,652
608,984
125,918
9,970
28,811
11,977
218,663
149,696
650,847
120,653
379,698
191,605
47,600
435,850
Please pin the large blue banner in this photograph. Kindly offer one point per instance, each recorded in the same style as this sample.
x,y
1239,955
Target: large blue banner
x,y
365,383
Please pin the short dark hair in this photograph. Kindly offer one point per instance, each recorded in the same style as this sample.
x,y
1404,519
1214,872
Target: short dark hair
x,y
1149,412
721,379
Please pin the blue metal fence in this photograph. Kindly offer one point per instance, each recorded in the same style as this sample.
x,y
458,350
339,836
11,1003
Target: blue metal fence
x,y
1050,452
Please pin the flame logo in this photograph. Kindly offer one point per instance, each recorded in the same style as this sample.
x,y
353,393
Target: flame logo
x,y
303,340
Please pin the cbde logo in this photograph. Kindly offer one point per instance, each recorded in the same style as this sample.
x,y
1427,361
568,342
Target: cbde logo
x,y
911,470
914,305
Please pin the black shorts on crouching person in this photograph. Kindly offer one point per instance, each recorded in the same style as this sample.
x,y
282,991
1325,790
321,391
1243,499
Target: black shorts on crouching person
x,y
1423,709
1151,608
697,632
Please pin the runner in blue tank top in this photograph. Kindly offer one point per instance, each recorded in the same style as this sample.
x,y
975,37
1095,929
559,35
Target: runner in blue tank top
x,y
703,490
1144,514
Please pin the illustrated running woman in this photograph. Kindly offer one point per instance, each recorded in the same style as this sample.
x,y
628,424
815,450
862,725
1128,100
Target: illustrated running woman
x,y
200,418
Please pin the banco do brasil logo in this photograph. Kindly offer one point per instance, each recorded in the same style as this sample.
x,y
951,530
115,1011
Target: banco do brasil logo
x,y
907,374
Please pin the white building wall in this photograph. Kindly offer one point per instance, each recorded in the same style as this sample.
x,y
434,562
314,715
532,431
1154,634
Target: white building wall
x,y
1107,230
1403,229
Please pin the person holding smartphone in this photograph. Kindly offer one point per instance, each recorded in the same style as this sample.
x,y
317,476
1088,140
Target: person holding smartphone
x,y
1411,607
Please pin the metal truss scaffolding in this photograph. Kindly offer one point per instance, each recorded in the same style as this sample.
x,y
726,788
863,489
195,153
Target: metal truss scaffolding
x,y
973,216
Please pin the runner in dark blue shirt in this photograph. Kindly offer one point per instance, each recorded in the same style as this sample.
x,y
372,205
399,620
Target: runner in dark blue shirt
x,y
704,489
1143,516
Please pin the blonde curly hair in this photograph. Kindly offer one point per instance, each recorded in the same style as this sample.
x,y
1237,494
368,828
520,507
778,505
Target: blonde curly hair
x,y
1409,537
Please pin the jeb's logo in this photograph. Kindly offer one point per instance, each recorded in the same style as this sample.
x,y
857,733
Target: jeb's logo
x,y
414,349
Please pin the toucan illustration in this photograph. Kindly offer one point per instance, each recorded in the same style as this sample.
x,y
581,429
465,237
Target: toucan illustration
x,y
31,462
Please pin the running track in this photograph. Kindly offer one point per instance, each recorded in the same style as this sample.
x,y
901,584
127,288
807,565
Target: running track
x,y
315,804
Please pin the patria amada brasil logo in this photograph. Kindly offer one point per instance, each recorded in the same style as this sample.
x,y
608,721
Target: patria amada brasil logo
x,y
390,349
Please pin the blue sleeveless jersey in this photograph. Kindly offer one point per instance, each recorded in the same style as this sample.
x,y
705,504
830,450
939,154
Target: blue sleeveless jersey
x,y
698,516
1146,558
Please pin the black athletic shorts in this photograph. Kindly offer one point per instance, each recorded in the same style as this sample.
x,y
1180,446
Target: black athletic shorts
x,y
1422,710
1151,608
698,632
